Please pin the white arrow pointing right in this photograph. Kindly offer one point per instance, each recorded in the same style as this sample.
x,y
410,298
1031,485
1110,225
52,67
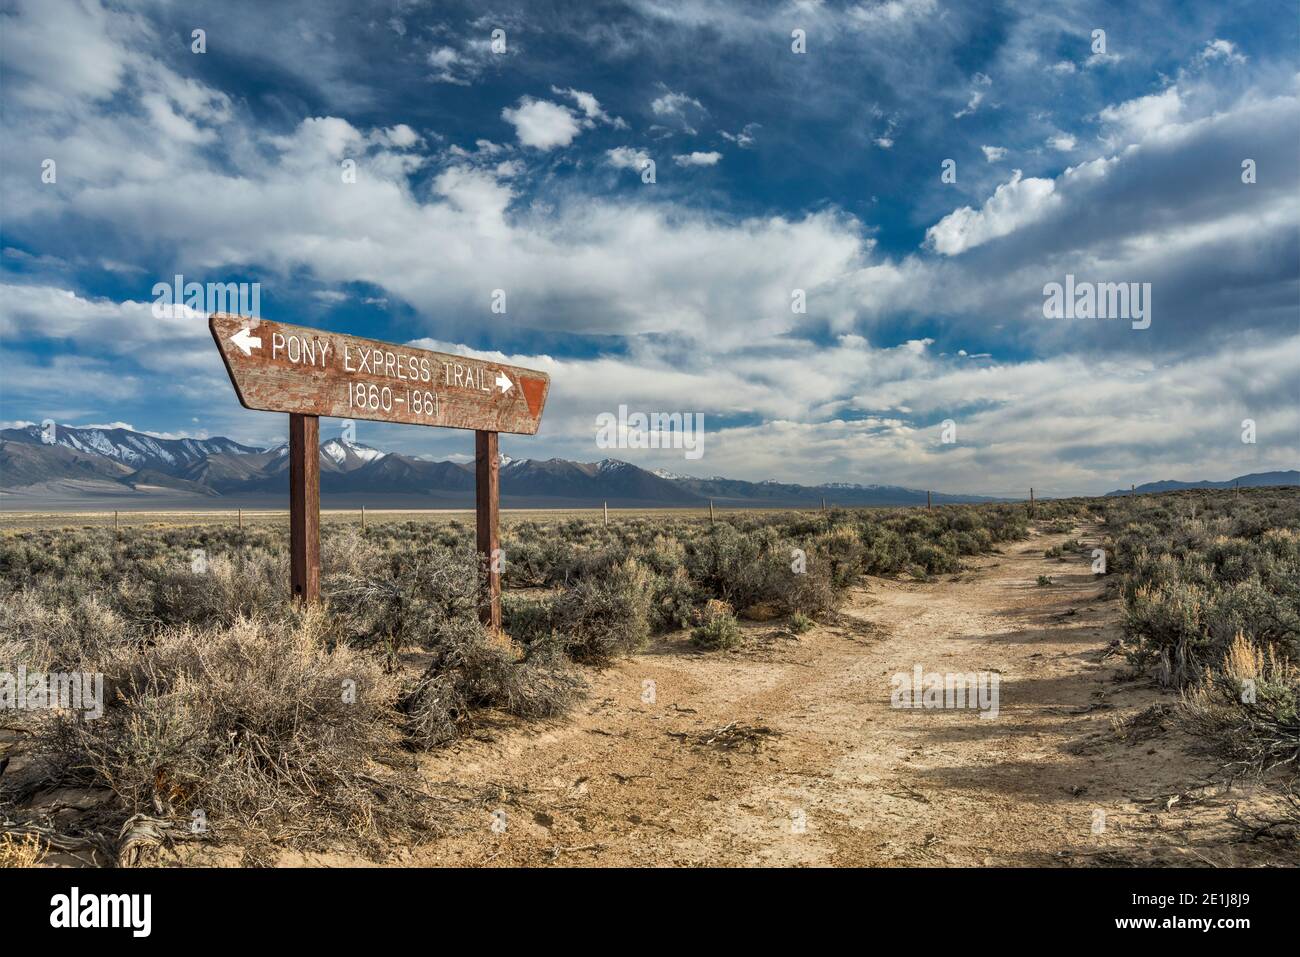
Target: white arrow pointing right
x,y
503,382
246,342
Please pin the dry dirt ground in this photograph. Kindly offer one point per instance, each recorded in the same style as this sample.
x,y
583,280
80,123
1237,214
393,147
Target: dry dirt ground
x,y
787,751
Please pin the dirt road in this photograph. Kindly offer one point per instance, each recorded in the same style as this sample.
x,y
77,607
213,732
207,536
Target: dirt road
x,y
787,751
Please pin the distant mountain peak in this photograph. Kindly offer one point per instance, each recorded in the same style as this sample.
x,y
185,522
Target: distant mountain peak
x,y
347,454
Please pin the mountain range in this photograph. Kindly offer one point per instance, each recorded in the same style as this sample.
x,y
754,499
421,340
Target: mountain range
x,y
118,467
1254,480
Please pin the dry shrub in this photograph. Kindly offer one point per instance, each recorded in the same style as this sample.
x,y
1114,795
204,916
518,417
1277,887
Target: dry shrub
x,y
717,626
527,618
402,597
1247,709
256,724
472,670
602,617
812,593
673,600
21,850
46,632
229,588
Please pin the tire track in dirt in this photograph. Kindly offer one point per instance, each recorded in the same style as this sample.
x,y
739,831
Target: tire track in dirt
x,y
787,752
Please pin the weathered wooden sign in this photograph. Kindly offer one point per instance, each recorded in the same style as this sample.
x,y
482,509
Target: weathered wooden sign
x,y
309,373
281,368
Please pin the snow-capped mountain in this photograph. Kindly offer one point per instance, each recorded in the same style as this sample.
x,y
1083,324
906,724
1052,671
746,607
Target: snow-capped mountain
x,y
120,461
135,450
349,455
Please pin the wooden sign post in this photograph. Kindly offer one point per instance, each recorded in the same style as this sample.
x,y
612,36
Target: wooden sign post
x,y
487,501
308,373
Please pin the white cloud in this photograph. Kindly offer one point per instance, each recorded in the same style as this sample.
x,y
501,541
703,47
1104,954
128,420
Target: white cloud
x,y
1224,50
1099,59
979,87
678,108
443,60
884,142
401,136
1063,142
1140,118
698,159
994,153
745,138
889,13
1013,204
178,337
461,66
591,108
625,157
68,49
883,415
542,124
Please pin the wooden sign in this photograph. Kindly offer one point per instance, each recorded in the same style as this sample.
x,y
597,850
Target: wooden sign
x,y
309,373
282,368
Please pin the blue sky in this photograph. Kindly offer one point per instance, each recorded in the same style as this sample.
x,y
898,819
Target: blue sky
x,y
520,169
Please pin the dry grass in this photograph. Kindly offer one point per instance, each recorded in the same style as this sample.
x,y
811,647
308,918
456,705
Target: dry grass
x,y
21,850
1246,710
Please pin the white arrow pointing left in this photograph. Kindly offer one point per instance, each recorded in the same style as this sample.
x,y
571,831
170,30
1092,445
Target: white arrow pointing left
x,y
246,342
504,383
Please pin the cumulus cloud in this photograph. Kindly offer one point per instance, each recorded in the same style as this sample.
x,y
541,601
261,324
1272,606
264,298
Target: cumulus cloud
x,y
157,339
625,157
697,159
881,421
692,299
1140,118
1224,50
542,124
1013,204
678,109
400,136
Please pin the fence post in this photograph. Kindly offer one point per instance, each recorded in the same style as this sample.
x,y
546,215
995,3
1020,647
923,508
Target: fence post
x,y
607,514
710,511
928,506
